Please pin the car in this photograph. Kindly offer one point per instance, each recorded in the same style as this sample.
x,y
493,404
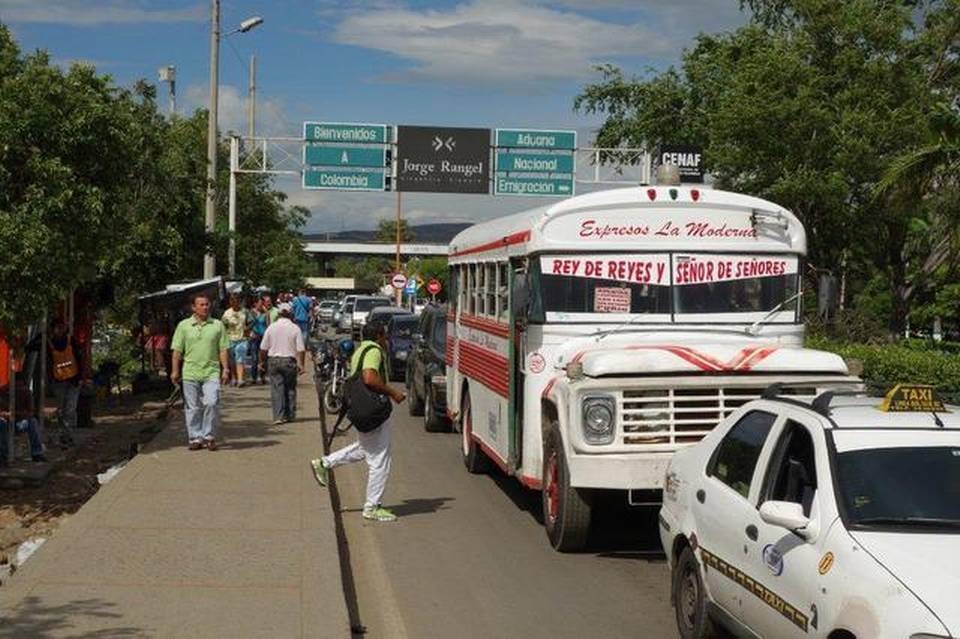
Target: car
x,y
382,314
338,315
362,306
836,518
326,309
401,333
427,370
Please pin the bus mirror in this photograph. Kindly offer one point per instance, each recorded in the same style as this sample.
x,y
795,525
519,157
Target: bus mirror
x,y
521,297
827,297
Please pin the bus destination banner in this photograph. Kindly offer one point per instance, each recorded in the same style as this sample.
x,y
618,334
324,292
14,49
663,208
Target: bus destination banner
x,y
443,159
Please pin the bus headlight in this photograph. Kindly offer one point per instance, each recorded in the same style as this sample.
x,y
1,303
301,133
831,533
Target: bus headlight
x,y
599,414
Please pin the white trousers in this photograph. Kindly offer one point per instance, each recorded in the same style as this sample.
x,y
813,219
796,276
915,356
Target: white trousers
x,y
374,447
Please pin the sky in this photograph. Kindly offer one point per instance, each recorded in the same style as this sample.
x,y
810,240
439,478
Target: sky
x,y
483,63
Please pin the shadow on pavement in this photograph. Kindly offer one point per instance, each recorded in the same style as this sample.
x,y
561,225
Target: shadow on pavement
x,y
33,619
420,506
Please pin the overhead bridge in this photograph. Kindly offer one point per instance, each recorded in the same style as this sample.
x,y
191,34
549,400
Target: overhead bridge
x,y
324,253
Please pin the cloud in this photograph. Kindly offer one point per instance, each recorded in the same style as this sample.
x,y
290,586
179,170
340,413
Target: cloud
x,y
233,105
86,13
503,43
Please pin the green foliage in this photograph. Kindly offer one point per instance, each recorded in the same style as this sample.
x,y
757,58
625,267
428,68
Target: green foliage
x,y
387,231
369,273
884,366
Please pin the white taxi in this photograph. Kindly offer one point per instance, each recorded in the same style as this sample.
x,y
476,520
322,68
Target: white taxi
x,y
838,518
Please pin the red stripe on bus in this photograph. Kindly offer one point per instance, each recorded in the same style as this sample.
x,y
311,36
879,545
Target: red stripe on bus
x,y
515,238
448,351
486,367
742,361
532,483
486,325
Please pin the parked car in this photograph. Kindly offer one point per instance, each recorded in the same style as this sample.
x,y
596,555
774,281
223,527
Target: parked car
x,y
382,314
326,309
338,314
362,307
401,332
427,370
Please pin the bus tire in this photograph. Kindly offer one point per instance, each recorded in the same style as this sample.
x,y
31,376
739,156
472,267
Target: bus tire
x,y
414,403
566,510
473,458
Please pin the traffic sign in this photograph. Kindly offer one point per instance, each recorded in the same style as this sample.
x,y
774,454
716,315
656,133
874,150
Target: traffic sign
x,y
346,132
412,285
399,281
349,156
533,186
434,287
535,139
321,178
519,162
443,159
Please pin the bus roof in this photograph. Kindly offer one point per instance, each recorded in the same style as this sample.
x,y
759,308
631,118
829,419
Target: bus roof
x,y
646,218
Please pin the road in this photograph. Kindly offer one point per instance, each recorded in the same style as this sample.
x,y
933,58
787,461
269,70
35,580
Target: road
x,y
468,557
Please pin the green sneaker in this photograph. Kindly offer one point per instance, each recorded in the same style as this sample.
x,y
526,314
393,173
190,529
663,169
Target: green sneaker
x,y
378,514
321,472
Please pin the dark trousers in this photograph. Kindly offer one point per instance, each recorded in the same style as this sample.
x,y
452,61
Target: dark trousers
x,y
283,386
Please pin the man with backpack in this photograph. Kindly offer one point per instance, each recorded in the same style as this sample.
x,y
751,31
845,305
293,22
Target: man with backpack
x,y
367,367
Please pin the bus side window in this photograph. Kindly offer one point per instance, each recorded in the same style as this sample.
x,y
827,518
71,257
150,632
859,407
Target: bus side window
x,y
490,291
503,287
471,289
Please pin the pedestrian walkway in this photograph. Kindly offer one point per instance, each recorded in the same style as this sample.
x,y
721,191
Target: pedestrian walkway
x,y
239,542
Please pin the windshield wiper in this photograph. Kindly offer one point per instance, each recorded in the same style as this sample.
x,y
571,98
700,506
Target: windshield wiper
x,y
933,522
753,329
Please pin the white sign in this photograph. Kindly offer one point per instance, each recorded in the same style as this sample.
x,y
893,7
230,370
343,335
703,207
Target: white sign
x,y
399,281
611,300
701,269
633,268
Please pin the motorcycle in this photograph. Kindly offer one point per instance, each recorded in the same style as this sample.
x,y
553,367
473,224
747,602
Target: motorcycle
x,y
339,367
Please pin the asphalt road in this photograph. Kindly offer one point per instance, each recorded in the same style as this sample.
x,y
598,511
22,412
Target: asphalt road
x,y
469,558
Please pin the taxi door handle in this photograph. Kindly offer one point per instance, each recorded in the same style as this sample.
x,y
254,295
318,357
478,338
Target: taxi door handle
x,y
752,532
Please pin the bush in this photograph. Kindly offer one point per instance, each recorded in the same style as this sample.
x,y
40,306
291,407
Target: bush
x,y
885,366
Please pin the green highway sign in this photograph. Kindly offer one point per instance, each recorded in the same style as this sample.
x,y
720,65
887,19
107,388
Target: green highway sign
x,y
534,139
533,186
344,132
535,162
347,156
317,178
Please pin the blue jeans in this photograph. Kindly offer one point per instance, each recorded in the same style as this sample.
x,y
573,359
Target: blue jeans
x,y
253,356
29,426
201,408
304,329
67,395
238,352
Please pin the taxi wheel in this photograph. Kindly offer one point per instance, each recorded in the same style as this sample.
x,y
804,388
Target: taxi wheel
x,y
473,458
690,599
566,510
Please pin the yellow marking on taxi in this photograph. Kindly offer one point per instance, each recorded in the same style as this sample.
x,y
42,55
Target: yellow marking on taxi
x,y
758,590
912,398
825,564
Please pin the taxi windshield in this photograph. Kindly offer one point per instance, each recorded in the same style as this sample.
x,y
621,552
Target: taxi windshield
x,y
916,488
667,287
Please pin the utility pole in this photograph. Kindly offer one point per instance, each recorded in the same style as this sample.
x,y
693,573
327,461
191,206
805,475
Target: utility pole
x,y
397,265
234,166
168,74
210,217
252,98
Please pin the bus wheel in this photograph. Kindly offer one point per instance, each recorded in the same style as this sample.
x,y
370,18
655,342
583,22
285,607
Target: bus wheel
x,y
566,510
473,458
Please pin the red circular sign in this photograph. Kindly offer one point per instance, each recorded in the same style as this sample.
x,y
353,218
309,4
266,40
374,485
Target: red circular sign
x,y
399,280
433,287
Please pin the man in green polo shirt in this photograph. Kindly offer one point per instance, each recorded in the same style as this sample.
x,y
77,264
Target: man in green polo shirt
x,y
200,359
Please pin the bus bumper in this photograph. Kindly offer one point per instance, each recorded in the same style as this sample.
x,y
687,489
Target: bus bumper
x,y
639,471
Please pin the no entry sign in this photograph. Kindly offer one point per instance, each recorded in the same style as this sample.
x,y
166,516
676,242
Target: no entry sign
x,y
399,281
433,287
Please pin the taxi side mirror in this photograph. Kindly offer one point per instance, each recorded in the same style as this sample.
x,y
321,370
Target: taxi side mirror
x,y
785,514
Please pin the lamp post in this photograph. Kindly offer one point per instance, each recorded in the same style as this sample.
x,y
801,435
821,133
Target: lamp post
x,y
210,216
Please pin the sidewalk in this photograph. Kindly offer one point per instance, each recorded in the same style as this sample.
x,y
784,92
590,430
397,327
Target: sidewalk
x,y
234,543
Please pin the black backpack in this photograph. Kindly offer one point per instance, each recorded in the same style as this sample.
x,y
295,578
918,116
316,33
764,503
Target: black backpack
x,y
366,409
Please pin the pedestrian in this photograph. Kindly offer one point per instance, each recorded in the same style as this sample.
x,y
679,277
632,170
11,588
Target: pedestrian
x,y
259,319
282,355
200,359
373,446
302,312
235,323
66,369
25,422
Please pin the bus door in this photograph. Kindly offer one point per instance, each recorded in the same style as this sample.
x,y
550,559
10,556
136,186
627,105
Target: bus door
x,y
517,302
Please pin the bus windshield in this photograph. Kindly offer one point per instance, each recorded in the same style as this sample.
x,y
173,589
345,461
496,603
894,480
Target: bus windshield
x,y
666,287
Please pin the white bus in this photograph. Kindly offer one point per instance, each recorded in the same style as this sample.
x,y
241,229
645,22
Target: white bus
x,y
589,339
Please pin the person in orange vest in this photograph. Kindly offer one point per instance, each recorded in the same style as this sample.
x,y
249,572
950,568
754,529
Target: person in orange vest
x,y
66,370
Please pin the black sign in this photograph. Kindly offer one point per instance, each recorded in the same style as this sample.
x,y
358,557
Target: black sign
x,y
443,159
689,159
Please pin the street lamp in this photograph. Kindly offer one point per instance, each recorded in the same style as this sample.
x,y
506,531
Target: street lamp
x,y
210,217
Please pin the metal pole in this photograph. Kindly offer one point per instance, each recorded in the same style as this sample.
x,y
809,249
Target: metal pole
x,y
397,264
252,124
12,403
43,372
210,218
232,252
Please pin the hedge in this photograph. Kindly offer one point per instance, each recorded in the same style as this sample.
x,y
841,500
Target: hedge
x,y
884,366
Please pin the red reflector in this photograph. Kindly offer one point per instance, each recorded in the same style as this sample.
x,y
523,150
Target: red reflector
x,y
695,194
652,194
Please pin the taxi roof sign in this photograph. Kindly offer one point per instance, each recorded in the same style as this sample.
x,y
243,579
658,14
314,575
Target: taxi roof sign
x,y
912,398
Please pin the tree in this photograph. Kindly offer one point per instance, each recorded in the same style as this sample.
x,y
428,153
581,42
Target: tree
x,y
807,106
387,231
